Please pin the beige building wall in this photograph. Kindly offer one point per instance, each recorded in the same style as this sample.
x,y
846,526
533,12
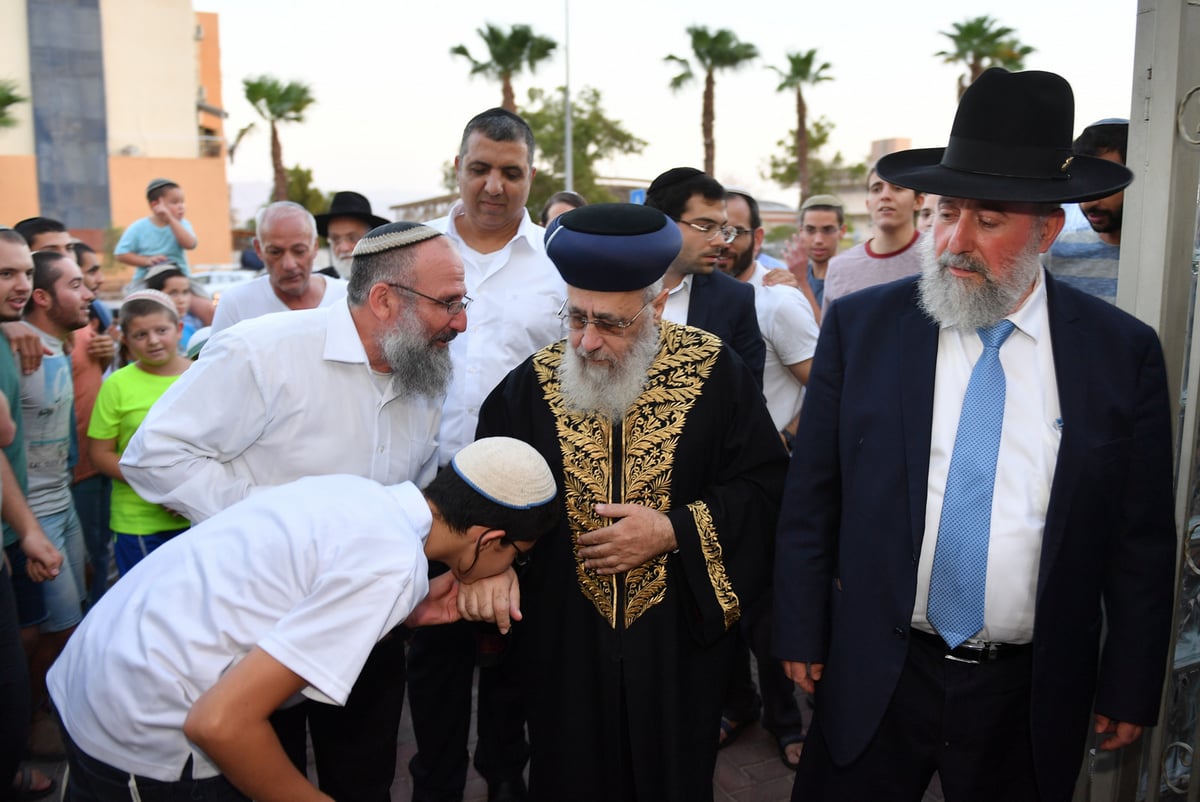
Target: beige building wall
x,y
14,66
18,188
151,83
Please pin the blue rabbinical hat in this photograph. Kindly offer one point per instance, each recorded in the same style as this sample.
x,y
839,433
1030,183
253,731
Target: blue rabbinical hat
x,y
612,247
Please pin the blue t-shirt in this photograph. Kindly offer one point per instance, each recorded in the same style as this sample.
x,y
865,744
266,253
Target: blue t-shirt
x,y
145,238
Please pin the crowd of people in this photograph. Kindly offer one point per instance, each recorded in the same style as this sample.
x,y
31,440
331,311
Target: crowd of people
x,y
592,466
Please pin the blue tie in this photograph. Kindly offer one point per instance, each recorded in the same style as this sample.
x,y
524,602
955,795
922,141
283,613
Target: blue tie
x,y
959,576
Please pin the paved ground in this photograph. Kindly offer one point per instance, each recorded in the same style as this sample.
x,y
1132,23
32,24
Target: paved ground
x,y
749,770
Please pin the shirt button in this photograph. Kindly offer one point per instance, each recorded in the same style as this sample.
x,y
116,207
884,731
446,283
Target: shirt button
x,y
381,449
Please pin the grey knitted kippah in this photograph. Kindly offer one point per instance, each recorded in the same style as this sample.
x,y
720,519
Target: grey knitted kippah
x,y
394,235
507,471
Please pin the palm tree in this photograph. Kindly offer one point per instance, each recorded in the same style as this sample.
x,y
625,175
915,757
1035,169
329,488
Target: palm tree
x,y
719,50
802,69
507,53
9,96
980,43
277,102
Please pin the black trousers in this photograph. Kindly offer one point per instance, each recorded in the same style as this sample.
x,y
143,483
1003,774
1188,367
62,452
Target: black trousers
x,y
781,714
969,723
14,685
354,746
441,666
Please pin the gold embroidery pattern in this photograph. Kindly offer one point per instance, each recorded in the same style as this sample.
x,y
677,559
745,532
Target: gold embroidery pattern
x,y
649,436
710,547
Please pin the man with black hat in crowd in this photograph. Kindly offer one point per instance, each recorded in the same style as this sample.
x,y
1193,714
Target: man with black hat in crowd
x,y
948,549
308,393
669,470
348,220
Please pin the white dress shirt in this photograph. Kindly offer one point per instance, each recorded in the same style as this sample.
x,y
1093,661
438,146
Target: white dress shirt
x,y
1029,443
789,332
679,298
274,399
314,573
256,298
515,293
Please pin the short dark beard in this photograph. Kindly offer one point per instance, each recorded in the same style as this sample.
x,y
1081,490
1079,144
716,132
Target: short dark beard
x,y
419,368
1111,224
965,304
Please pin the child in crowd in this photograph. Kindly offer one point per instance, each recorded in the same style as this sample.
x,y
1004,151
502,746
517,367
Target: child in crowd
x,y
163,236
168,278
151,325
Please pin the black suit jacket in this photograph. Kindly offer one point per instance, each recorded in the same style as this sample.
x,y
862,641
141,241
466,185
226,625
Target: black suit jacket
x,y
854,515
724,306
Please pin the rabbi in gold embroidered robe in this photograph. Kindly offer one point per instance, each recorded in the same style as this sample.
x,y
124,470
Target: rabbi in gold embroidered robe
x,y
669,471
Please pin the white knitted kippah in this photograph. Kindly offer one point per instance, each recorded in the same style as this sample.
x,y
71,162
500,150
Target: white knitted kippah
x,y
157,296
507,471
394,235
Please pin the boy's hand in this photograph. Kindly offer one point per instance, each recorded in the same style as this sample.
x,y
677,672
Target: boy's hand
x,y
43,561
161,212
101,349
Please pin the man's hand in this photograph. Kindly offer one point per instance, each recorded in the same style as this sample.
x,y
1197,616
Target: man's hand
x,y
795,253
101,349
43,561
26,344
806,675
779,275
440,606
1123,732
495,598
638,534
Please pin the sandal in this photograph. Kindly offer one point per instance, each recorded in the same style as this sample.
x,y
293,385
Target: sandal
x,y
731,730
23,790
784,743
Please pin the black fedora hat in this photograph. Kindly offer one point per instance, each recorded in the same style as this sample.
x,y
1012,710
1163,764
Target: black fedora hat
x,y
349,204
1011,141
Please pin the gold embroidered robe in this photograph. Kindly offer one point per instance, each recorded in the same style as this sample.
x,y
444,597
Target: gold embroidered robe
x,y
625,674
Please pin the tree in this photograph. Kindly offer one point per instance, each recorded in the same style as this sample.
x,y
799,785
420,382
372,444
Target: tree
x,y
979,44
595,137
720,50
300,189
507,53
824,176
802,69
277,102
9,96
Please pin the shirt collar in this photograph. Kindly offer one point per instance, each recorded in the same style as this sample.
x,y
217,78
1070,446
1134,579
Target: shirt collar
x,y
342,343
684,284
530,232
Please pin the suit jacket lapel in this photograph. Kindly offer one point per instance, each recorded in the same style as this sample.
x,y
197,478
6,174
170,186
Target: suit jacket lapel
x,y
918,339
1068,343
697,313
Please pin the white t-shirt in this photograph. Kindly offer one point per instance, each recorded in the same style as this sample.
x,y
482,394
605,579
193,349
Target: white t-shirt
x,y
515,293
255,298
789,332
315,573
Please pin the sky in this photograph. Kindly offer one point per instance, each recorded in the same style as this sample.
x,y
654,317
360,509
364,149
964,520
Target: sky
x,y
391,101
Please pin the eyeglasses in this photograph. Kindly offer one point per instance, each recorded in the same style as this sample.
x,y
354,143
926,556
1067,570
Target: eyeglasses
x,y
521,558
452,307
740,232
577,321
728,233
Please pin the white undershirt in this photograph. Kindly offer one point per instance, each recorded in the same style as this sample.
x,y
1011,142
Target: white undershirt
x,y
1025,468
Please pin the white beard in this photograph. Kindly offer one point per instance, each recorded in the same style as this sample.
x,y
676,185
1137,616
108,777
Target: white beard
x,y
970,305
598,387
